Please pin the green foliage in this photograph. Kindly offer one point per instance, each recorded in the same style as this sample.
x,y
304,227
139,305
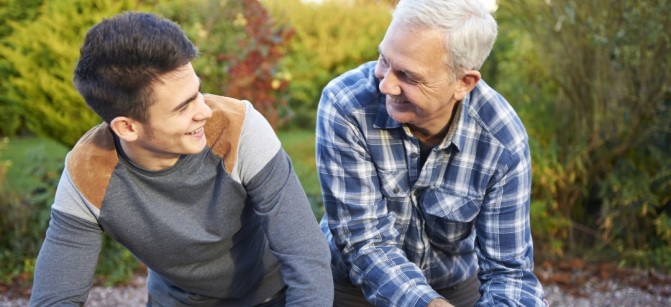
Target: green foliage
x,y
43,53
18,153
15,10
23,220
591,85
25,213
549,230
331,38
240,49
4,164
116,265
635,213
657,259
12,12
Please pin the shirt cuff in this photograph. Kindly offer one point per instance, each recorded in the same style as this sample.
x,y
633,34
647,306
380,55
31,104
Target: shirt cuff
x,y
418,296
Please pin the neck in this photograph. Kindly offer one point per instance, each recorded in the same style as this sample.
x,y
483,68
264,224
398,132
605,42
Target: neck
x,y
427,137
434,135
146,160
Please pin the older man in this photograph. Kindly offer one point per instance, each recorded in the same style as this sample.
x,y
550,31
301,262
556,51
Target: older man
x,y
425,170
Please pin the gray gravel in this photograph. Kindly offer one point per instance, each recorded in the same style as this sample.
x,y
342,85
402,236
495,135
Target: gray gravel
x,y
615,295
134,294
606,293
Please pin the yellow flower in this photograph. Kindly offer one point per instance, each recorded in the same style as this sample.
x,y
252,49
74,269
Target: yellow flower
x,y
275,84
240,20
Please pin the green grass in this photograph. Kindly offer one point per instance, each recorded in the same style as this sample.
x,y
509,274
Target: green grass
x,y
25,155
300,145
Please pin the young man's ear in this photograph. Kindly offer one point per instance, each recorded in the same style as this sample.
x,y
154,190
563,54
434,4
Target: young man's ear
x,y
125,128
466,84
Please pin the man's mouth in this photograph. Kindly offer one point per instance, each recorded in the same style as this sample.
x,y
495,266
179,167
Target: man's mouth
x,y
195,131
396,100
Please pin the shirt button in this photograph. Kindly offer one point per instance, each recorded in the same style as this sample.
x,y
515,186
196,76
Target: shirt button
x,y
413,155
396,190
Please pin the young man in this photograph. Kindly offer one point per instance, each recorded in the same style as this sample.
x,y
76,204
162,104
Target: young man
x,y
425,170
196,186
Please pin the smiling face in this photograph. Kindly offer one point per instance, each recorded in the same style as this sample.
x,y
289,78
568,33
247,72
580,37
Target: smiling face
x,y
175,125
420,90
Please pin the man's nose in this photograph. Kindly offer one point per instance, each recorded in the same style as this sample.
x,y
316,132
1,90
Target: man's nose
x,y
389,83
204,111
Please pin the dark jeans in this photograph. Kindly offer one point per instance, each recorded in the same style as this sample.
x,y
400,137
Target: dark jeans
x,y
465,294
277,300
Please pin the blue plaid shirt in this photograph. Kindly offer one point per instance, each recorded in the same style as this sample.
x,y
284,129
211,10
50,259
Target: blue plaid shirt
x,y
398,231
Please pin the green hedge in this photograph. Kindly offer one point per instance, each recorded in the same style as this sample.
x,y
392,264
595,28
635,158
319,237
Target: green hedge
x,y
591,85
42,54
331,38
240,46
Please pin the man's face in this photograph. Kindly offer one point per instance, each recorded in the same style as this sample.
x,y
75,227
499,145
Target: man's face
x,y
176,119
413,75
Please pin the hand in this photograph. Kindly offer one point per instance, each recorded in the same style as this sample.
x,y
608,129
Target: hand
x,y
439,302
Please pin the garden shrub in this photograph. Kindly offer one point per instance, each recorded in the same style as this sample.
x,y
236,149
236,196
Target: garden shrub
x,y
12,13
592,88
23,221
24,217
43,53
240,49
331,38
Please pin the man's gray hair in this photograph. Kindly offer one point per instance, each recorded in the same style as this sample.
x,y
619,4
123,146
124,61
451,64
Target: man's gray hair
x,y
468,28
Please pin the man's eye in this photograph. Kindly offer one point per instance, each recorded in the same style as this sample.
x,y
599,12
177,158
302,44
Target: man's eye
x,y
185,107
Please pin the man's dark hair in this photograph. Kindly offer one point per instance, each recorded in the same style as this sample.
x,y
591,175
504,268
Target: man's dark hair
x,y
122,56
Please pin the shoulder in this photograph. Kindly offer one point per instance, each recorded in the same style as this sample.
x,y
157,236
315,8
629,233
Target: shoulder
x,y
356,88
227,113
238,132
224,128
364,73
91,163
497,117
225,107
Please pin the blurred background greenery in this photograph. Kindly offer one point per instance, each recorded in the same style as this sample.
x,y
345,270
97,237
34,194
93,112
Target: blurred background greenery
x,y
591,80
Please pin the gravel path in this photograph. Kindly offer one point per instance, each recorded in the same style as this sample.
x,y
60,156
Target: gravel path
x,y
578,292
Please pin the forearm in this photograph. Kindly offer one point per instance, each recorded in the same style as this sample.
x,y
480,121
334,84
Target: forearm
x,y
387,278
505,247
294,236
66,262
515,288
